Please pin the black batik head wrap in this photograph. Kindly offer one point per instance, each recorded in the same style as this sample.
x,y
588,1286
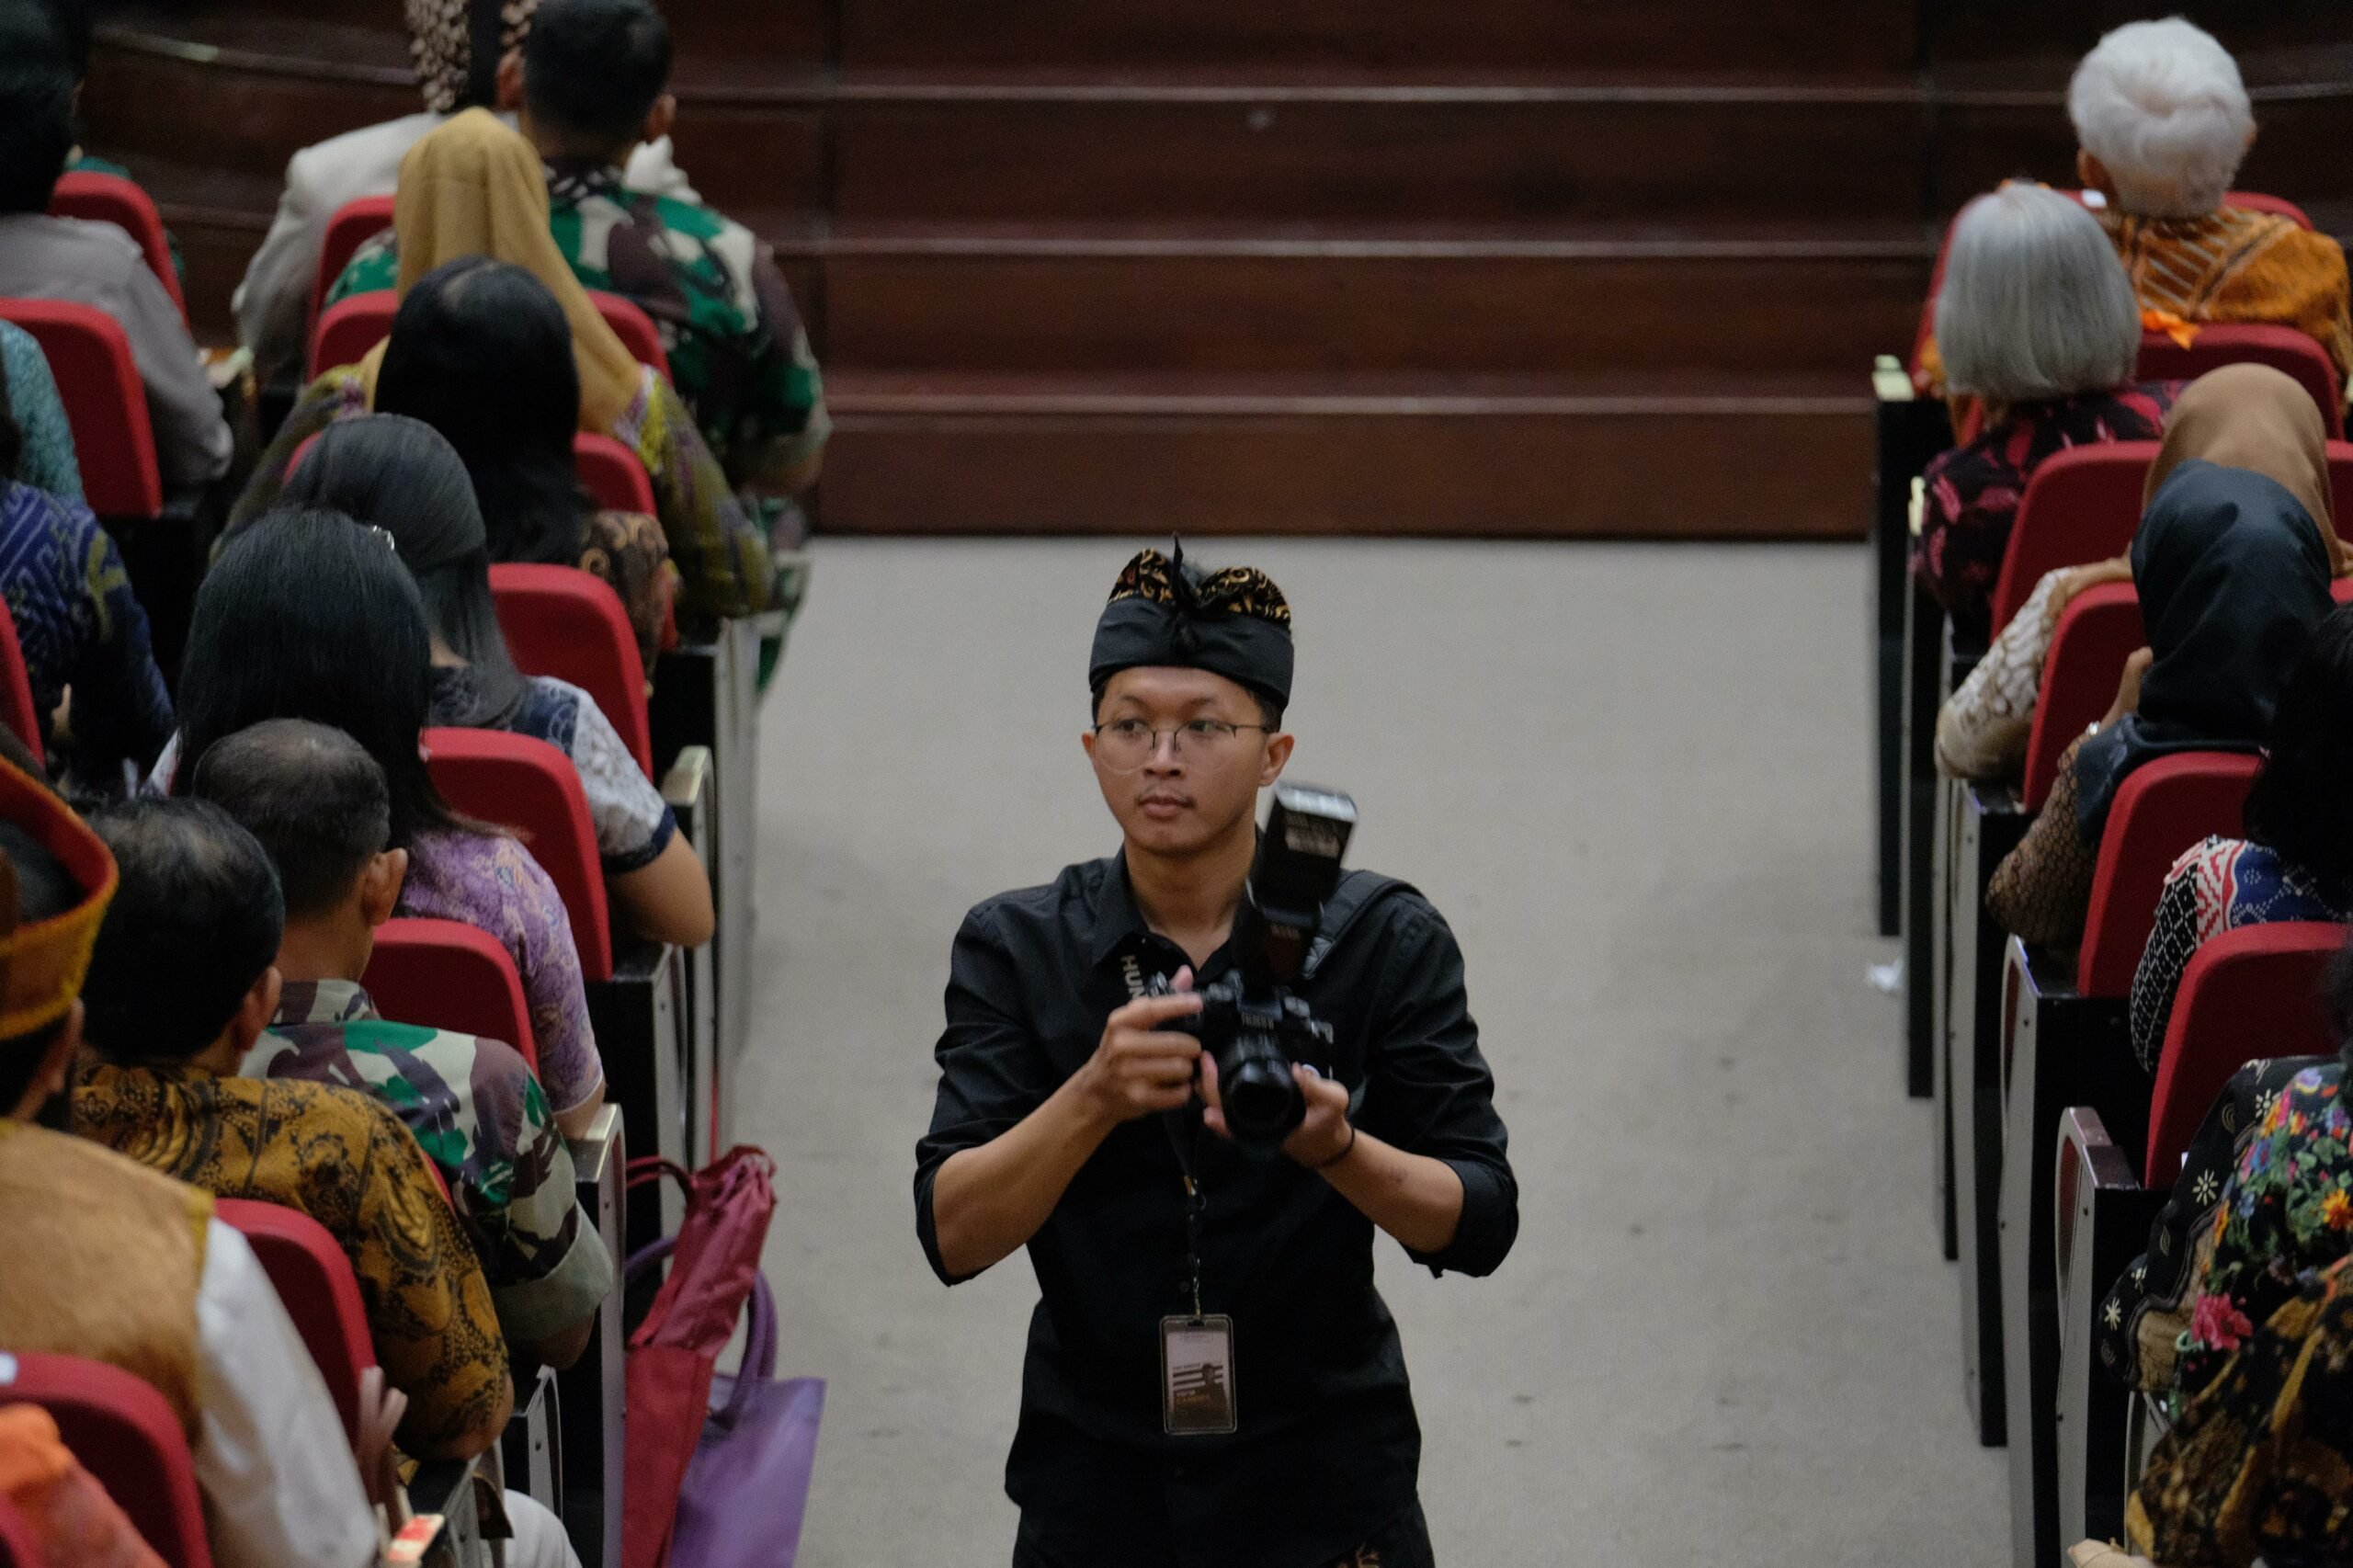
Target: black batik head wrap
x,y
1234,623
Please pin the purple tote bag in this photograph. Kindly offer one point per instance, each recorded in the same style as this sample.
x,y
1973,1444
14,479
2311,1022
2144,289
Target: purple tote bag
x,y
748,1486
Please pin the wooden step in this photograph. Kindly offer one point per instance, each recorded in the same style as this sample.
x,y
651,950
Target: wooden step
x,y
1472,301
1647,457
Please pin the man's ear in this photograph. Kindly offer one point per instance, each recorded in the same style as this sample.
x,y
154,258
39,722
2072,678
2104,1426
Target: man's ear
x,y
659,119
380,886
1277,758
509,81
259,1006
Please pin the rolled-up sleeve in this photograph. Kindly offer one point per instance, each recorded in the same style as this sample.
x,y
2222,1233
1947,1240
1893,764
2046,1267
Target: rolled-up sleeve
x,y
992,1071
1428,1091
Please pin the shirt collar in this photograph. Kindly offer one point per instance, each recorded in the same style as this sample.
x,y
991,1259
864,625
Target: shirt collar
x,y
1113,916
323,1002
569,179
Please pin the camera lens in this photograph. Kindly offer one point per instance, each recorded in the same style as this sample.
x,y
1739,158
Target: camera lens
x,y
1262,1101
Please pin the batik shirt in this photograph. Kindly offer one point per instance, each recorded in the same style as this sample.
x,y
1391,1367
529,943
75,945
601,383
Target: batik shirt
x,y
2288,1209
739,354
1972,492
479,1114
2236,265
635,824
489,881
79,625
2219,886
45,458
349,1164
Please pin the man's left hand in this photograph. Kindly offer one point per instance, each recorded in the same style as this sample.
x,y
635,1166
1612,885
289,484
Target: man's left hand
x,y
1320,1138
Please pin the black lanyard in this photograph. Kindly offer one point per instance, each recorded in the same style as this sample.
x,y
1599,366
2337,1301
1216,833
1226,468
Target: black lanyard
x,y
1196,1202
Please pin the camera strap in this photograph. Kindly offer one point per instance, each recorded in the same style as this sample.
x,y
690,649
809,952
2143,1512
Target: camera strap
x,y
1195,1204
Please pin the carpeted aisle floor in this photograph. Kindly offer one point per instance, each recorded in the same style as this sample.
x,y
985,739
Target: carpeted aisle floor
x,y
1633,777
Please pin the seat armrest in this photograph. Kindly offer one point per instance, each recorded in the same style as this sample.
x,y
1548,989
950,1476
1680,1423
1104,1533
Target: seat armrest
x,y
686,789
446,1488
2102,1217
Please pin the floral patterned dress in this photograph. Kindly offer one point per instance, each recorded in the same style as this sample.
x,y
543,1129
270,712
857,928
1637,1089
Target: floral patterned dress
x,y
2288,1210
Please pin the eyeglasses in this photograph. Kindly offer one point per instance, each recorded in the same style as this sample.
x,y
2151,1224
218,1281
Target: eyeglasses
x,y
1125,744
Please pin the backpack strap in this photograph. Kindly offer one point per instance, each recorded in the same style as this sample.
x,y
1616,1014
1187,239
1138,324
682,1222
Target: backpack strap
x,y
1358,891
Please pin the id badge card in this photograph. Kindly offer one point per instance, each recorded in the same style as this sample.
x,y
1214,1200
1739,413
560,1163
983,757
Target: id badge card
x,y
1196,1376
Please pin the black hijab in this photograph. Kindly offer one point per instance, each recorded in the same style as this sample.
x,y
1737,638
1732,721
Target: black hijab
x,y
2232,577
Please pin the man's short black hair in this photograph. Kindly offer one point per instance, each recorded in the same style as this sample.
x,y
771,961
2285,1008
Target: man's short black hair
x,y
35,129
595,67
195,921
311,796
45,889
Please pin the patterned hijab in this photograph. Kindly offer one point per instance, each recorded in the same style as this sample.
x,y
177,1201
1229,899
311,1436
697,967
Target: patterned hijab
x,y
1163,610
2255,417
457,44
475,187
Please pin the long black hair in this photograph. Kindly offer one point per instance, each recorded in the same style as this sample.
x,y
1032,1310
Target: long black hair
x,y
399,474
308,615
480,351
2300,803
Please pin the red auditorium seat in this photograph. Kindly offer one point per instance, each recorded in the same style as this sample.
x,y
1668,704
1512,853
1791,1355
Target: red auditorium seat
x,y
353,224
106,402
350,327
17,710
315,1284
563,623
2281,347
2096,634
110,199
526,785
612,474
2069,1044
20,1548
127,1436
446,975
2246,994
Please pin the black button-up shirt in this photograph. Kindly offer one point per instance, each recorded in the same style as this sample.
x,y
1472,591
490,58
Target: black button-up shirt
x,y
1328,1446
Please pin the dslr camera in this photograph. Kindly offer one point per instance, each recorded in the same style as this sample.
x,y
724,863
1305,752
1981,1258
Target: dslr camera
x,y
1251,1022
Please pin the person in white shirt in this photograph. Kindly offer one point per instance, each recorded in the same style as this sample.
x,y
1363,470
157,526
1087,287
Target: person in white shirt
x,y
44,258
456,69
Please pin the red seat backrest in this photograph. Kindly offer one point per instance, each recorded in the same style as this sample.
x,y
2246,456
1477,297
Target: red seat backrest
x,y
612,474
2097,633
2281,347
105,402
2252,199
635,328
351,327
125,1436
447,975
2081,505
531,788
560,621
2162,808
315,1284
2247,993
110,199
353,224
20,1548
17,710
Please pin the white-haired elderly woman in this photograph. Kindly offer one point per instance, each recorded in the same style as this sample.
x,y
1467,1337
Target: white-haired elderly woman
x,y
2039,327
2162,120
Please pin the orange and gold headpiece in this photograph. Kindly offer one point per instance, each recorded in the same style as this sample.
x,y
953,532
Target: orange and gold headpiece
x,y
42,963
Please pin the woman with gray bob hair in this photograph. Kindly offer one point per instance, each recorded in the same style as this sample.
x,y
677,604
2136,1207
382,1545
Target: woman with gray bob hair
x,y
2035,305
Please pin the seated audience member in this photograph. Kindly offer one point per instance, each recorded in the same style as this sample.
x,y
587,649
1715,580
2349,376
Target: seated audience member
x,y
2249,417
481,352
2259,1468
180,986
457,49
44,258
203,1327
474,188
78,623
308,616
2163,122
398,475
45,456
2233,577
2038,323
2296,861
319,804
592,84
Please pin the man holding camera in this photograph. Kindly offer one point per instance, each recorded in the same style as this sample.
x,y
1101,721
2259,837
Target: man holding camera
x,y
1211,1378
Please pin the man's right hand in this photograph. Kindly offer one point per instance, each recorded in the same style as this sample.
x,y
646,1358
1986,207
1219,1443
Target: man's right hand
x,y
1140,1067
